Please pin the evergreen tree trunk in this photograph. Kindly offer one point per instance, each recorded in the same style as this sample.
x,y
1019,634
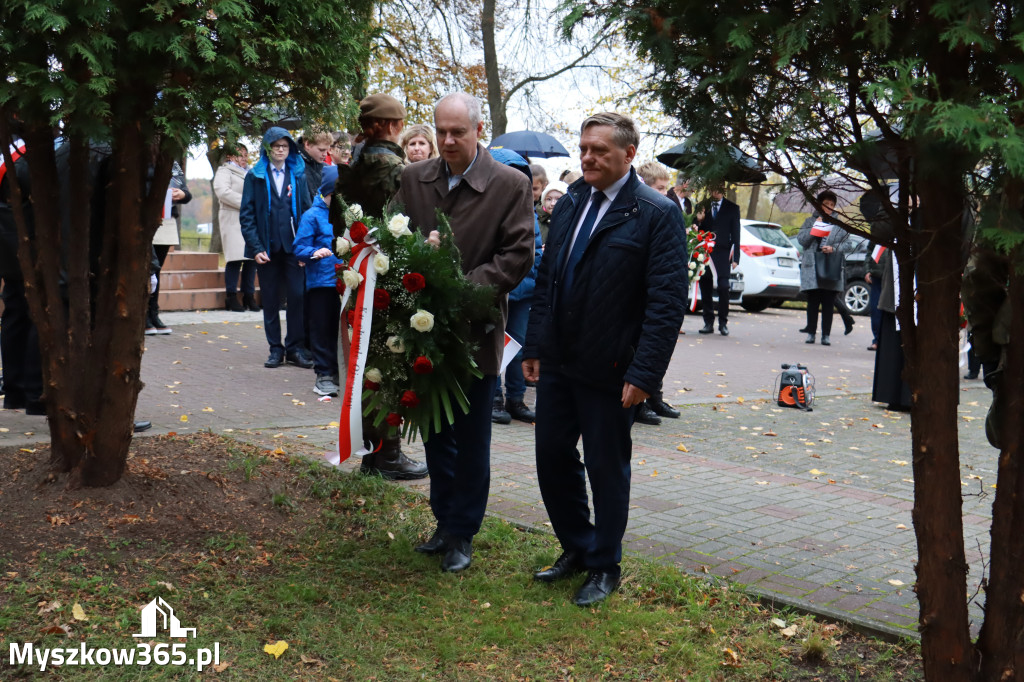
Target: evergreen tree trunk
x,y
755,197
91,320
931,350
1001,642
214,155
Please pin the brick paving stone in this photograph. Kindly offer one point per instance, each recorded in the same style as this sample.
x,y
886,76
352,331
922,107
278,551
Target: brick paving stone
x,y
796,536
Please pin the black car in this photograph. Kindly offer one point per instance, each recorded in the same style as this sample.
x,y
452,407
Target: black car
x,y
855,296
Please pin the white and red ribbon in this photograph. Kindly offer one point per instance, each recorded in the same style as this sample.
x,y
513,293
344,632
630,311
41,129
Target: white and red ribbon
x,y
350,425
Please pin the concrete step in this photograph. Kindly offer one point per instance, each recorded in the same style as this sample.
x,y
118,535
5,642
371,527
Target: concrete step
x,y
194,299
191,260
176,280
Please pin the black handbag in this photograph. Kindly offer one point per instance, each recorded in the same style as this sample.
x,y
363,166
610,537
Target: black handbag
x,y
828,267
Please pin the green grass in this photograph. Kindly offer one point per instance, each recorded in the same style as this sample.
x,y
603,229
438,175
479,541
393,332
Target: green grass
x,y
353,601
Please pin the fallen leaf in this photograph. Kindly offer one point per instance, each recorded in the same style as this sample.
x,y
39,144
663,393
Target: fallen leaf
x,y
54,605
769,433
207,409
169,586
779,622
788,632
815,472
276,649
682,448
898,462
762,483
221,667
183,418
78,612
55,630
654,473
895,582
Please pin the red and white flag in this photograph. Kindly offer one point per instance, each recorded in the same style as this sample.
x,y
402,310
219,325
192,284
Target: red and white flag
x,y
821,229
877,252
509,354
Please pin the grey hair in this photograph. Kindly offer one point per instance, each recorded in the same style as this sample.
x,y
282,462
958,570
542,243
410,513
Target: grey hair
x,y
624,129
472,104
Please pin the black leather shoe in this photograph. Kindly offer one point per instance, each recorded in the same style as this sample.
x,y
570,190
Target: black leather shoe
x,y
517,409
723,329
35,407
570,563
276,359
662,409
805,330
596,589
849,326
391,463
825,341
142,425
300,358
706,329
435,545
459,555
971,376
645,415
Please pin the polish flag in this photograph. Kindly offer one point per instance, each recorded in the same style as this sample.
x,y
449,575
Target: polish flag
x,y
877,252
820,229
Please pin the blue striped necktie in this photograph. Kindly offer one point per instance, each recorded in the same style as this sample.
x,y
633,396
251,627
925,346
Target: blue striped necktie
x,y
569,272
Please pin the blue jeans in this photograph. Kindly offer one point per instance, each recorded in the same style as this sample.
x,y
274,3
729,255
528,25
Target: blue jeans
x,y
283,274
459,460
515,382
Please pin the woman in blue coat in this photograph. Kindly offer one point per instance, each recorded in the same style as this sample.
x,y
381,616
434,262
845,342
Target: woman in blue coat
x,y
314,246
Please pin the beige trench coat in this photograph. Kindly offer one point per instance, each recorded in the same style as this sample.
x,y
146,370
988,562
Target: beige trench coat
x,y
227,185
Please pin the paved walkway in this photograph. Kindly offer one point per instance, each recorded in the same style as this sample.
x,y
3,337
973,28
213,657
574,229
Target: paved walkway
x,y
812,509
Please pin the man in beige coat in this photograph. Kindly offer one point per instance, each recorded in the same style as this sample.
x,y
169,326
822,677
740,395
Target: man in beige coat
x,y
490,207
227,185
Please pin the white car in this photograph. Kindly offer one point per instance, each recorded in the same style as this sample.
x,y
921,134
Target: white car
x,y
770,265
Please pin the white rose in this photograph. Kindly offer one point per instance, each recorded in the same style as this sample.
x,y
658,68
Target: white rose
x,y
353,213
399,225
373,374
395,344
692,265
422,321
341,247
381,263
352,279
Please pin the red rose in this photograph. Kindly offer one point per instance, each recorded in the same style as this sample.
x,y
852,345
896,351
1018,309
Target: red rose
x,y
350,316
413,282
381,299
370,386
422,365
339,286
357,231
339,268
393,419
409,399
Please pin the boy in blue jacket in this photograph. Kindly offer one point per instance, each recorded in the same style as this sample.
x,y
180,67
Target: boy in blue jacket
x,y
314,247
273,200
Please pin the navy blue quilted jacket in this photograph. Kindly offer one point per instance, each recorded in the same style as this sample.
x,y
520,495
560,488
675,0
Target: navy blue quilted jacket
x,y
622,319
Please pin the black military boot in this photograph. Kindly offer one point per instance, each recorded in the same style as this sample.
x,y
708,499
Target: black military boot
x,y
391,463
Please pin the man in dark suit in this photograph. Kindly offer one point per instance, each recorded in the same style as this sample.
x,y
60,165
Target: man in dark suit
x,y
604,322
722,217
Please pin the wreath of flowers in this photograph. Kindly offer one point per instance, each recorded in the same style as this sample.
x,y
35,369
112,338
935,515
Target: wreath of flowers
x,y
699,243
420,357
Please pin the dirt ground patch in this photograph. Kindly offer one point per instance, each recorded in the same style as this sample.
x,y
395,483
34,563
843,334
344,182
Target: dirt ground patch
x,y
179,490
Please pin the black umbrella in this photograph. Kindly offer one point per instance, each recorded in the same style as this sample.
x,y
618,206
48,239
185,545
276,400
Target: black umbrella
x,y
727,164
528,143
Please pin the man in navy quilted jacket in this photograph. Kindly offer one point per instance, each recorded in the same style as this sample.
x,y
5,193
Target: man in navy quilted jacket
x,y
606,314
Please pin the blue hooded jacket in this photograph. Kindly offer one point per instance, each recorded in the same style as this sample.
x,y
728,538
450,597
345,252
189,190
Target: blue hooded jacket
x,y
315,232
254,214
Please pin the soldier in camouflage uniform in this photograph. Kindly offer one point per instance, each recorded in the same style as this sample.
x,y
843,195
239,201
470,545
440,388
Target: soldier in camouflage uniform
x,y
371,180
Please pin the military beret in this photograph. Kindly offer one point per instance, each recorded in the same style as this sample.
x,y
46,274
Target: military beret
x,y
381,106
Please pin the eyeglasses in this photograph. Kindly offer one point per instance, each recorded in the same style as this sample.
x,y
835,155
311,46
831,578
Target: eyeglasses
x,y
279,146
